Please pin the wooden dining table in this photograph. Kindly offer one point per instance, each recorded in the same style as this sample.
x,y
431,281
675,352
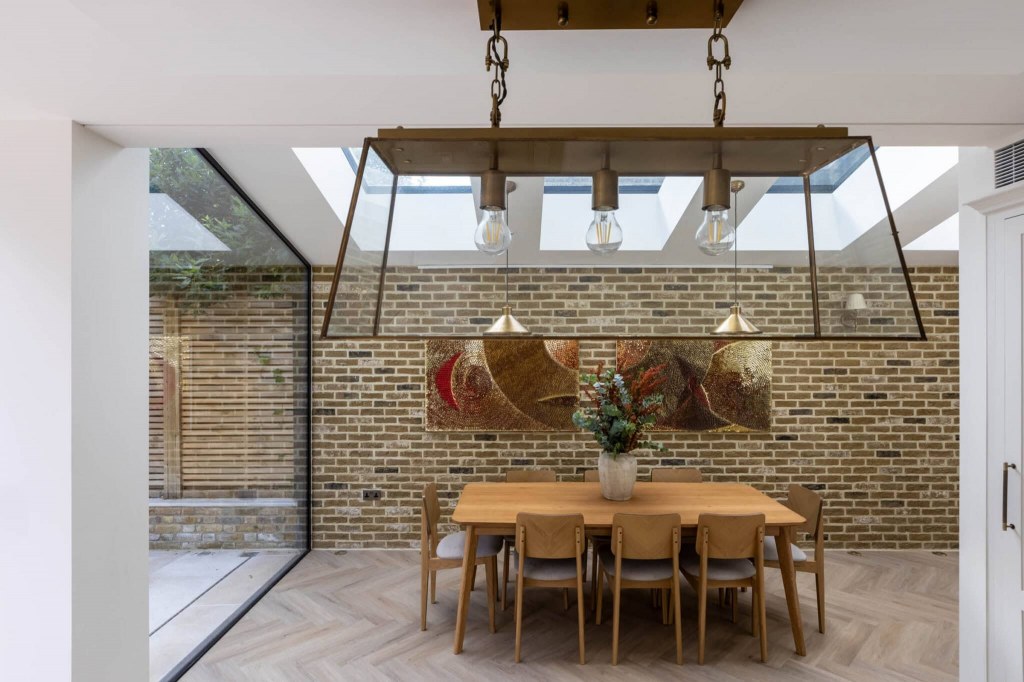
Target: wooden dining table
x,y
491,509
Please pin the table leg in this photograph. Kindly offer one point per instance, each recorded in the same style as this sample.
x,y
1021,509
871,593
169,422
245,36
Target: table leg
x,y
783,543
468,562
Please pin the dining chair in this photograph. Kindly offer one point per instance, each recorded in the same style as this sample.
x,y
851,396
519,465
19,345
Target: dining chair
x,y
596,541
519,476
438,553
643,554
549,553
809,505
725,545
676,475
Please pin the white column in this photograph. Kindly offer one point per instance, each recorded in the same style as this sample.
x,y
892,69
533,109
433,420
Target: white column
x,y
110,409
976,178
73,401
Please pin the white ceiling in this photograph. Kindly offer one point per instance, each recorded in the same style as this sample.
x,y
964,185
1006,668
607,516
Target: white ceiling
x,y
252,79
323,72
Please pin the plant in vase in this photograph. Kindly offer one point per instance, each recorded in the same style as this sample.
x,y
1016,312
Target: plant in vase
x,y
619,412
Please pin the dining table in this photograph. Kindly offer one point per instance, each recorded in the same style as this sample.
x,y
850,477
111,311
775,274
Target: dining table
x,y
491,509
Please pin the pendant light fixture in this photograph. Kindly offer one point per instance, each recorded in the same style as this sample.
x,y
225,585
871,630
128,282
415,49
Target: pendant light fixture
x,y
507,324
493,235
362,303
715,236
604,236
736,323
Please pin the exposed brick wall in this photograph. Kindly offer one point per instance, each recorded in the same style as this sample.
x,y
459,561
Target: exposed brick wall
x,y
873,426
242,526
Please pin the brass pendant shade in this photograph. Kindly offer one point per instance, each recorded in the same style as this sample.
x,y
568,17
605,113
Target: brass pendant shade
x,y
736,324
507,325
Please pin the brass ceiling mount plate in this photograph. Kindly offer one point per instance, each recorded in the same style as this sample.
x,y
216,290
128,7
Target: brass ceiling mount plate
x,y
595,15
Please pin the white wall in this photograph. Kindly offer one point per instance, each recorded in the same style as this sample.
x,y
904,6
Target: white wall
x,y
73,271
110,409
35,400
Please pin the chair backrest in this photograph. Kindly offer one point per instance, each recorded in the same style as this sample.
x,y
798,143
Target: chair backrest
x,y
591,476
807,504
529,476
550,536
645,536
676,475
430,515
726,536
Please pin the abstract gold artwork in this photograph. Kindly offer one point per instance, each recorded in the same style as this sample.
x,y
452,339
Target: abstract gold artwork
x,y
710,385
501,384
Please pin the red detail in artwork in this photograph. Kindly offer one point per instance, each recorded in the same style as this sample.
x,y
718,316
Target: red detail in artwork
x,y
443,380
699,393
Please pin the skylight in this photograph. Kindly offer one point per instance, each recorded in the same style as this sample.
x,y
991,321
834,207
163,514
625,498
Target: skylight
x,y
943,237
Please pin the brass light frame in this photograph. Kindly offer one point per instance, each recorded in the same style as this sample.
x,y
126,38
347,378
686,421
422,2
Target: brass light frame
x,y
748,152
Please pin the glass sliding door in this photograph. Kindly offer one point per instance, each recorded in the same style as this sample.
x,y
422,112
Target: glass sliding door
x,y
229,324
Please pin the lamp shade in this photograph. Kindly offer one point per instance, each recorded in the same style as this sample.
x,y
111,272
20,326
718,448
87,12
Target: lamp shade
x,y
855,302
507,325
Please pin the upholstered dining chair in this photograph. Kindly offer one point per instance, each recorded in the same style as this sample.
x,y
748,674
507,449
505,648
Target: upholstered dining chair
x,y
519,476
809,505
725,546
438,553
591,476
643,553
676,475
549,553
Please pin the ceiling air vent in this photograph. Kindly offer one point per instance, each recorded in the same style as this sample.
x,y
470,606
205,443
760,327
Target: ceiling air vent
x,y
1010,164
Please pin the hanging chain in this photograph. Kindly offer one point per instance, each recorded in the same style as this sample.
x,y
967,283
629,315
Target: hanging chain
x,y
497,56
717,64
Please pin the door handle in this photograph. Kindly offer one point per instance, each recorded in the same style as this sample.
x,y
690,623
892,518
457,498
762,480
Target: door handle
x,y
1006,472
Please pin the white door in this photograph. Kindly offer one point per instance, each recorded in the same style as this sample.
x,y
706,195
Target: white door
x,y
1005,482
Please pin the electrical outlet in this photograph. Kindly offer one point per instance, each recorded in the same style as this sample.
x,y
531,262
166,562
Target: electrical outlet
x,y
371,494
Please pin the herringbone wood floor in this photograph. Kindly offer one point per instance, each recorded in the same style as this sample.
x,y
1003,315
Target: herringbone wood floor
x,y
355,616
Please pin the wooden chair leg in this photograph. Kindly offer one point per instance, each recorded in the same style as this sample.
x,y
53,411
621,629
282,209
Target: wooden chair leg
x,y
819,581
721,597
753,613
504,579
593,577
599,604
677,613
491,569
581,615
702,614
733,594
761,617
424,579
519,616
616,599
433,587
472,581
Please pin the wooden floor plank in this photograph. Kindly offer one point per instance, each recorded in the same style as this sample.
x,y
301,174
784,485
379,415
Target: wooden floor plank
x,y
891,616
